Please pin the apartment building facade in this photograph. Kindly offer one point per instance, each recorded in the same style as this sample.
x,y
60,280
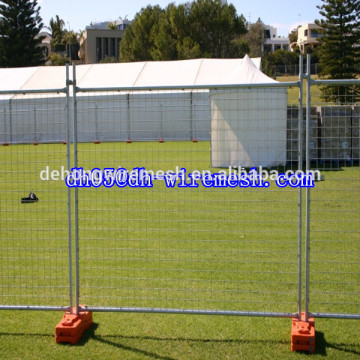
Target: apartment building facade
x,y
308,36
272,42
98,41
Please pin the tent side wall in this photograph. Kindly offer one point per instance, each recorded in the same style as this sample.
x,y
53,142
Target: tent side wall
x,y
248,127
158,115
144,116
5,123
33,119
200,115
102,117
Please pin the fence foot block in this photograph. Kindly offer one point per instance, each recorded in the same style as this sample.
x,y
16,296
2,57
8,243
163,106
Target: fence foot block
x,y
72,326
303,335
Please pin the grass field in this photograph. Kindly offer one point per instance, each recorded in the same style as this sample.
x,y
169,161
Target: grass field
x,y
293,92
216,249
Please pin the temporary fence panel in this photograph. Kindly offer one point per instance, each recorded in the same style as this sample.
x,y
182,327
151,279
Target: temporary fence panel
x,y
34,251
183,247
334,258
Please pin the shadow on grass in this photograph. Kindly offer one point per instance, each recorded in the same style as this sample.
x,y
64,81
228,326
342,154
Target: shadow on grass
x,y
321,345
115,340
90,334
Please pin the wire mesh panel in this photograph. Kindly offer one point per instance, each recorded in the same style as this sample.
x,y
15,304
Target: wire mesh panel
x,y
335,204
181,237
33,228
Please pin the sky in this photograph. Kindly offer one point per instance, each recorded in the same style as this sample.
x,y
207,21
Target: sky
x,y
77,14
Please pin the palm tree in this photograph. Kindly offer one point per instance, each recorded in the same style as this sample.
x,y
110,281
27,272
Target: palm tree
x,y
57,31
71,38
112,25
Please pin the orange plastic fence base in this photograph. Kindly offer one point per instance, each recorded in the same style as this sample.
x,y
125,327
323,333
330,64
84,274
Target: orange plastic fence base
x,y
71,328
194,140
96,142
303,335
128,141
161,140
5,144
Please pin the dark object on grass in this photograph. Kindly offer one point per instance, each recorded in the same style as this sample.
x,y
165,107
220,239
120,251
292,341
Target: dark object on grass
x,y
30,199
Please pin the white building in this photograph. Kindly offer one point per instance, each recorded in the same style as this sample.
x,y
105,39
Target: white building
x,y
272,42
308,36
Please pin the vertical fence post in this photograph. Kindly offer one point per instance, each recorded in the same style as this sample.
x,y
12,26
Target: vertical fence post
x,y
72,326
300,161
10,122
5,126
308,165
303,328
69,189
35,129
76,208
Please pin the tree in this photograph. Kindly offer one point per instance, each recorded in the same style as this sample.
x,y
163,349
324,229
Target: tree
x,y
57,33
293,35
340,51
281,60
238,48
57,60
164,46
214,24
112,25
255,38
108,60
71,39
202,28
20,25
138,41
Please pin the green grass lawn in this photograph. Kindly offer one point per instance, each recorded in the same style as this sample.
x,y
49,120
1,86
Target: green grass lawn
x,y
215,249
293,92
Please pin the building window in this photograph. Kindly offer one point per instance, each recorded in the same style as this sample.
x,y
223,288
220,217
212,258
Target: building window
x,y
113,54
314,34
267,34
106,47
306,32
121,27
98,49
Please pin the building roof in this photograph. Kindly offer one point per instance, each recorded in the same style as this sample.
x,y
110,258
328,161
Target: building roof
x,y
104,24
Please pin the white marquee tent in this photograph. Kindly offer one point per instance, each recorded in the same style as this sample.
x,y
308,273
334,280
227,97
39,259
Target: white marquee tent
x,y
248,126
150,115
